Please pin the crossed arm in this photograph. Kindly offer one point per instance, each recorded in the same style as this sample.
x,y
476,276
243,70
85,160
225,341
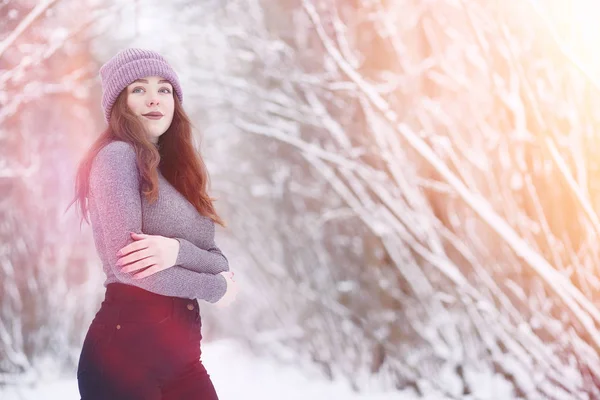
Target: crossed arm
x,y
115,197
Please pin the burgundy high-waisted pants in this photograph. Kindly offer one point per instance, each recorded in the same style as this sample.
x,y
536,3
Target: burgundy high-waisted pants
x,y
141,345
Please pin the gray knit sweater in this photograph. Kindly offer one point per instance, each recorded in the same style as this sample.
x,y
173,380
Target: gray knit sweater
x,y
117,207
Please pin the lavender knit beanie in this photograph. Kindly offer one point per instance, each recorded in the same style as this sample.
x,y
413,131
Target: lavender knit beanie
x,y
128,65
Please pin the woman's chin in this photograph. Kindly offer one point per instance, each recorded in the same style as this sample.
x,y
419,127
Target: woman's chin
x,y
154,134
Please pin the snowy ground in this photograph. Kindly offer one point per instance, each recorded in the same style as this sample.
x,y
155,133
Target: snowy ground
x,y
236,375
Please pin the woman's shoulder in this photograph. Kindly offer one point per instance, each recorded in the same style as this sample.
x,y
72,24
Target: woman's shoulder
x,y
116,157
117,148
116,152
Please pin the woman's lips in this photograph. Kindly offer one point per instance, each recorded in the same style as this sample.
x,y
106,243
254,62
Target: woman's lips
x,y
153,116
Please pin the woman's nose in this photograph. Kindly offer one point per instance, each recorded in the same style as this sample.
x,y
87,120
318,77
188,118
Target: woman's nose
x,y
152,102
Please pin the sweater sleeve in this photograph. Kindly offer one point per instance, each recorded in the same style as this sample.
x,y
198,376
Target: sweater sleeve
x,y
115,191
191,257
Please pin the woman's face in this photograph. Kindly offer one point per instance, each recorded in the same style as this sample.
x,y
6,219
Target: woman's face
x,y
151,99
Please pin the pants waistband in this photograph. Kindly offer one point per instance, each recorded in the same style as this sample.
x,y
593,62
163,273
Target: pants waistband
x,y
122,293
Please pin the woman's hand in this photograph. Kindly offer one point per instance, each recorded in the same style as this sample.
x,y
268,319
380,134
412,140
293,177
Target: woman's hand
x,y
153,251
232,290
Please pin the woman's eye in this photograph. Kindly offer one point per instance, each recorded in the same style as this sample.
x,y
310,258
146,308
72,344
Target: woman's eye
x,y
167,90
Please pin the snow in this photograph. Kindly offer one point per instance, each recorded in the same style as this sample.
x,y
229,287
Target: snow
x,y
236,374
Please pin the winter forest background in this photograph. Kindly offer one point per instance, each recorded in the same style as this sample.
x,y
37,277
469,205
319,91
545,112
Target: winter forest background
x,y
411,187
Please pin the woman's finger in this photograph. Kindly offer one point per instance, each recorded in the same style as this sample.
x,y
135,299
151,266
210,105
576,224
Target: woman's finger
x,y
133,257
146,262
147,272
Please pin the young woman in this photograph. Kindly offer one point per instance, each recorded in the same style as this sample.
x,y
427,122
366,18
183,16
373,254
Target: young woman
x,y
145,188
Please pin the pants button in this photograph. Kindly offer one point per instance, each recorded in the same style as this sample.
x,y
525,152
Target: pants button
x,y
190,306
118,326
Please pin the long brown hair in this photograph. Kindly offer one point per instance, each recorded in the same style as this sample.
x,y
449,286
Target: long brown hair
x,y
175,155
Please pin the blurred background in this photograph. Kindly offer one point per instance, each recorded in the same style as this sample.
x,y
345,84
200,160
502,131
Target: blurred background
x,y
411,187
